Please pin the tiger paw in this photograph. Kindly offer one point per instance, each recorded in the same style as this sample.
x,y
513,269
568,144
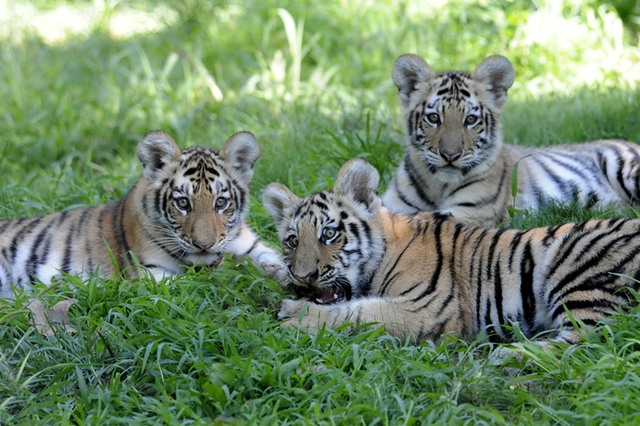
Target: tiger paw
x,y
275,269
301,314
292,309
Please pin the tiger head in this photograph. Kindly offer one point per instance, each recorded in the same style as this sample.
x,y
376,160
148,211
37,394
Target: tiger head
x,y
331,240
193,200
452,118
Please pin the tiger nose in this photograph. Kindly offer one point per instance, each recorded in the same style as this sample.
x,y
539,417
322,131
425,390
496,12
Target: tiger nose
x,y
202,245
309,278
450,156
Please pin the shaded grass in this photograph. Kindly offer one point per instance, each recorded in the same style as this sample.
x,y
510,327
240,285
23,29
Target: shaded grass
x,y
206,347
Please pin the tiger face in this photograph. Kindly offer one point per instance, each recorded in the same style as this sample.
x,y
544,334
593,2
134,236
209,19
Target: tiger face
x,y
330,240
452,118
194,199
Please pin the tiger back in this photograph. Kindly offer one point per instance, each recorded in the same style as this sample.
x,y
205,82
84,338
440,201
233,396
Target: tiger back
x,y
427,274
186,209
455,161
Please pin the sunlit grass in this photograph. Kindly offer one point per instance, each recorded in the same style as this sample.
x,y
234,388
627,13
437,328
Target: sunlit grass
x,y
312,81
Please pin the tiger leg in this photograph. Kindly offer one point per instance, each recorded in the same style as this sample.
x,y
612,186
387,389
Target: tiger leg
x,y
396,315
247,243
567,334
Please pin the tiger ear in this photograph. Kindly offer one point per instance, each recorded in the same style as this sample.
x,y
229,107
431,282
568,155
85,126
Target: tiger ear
x,y
496,72
409,71
155,151
241,151
359,180
279,201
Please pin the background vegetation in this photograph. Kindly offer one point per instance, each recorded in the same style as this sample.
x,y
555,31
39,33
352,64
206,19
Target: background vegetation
x,y
82,81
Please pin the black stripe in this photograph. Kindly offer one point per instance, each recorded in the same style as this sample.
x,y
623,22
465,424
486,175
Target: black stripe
x,y
453,256
602,250
492,248
212,170
386,281
493,275
603,278
498,293
527,266
32,264
4,225
402,197
551,235
435,276
88,253
572,305
577,235
478,272
253,246
576,270
16,242
119,234
480,180
416,184
632,150
554,157
560,182
191,171
321,205
446,302
619,176
491,198
564,252
44,239
410,288
513,245
68,248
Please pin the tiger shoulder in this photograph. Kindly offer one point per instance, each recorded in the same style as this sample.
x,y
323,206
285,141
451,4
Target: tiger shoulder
x,y
456,162
187,208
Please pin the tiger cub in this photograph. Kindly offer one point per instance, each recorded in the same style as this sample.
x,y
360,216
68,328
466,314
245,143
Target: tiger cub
x,y
186,209
427,274
456,163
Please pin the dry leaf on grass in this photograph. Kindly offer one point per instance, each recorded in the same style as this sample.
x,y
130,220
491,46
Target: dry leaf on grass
x,y
43,318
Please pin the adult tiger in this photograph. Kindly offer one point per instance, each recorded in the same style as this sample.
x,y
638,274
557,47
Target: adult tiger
x,y
186,209
456,162
427,274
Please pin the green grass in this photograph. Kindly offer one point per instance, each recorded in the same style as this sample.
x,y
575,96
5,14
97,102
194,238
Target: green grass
x,y
312,81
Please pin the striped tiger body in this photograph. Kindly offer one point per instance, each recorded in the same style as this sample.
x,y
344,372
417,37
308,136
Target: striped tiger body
x,y
427,274
186,209
456,162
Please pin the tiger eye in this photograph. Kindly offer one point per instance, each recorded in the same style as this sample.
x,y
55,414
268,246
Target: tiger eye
x,y
433,118
291,242
182,203
470,120
329,233
222,202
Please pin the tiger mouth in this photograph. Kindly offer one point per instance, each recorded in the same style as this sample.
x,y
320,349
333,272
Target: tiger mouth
x,y
204,258
329,296
326,295
451,167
